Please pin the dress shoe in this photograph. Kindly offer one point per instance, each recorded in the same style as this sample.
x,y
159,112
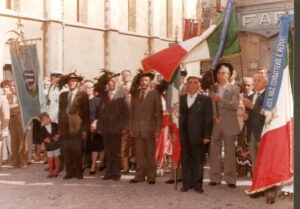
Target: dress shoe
x,y
212,183
256,195
170,181
283,195
232,186
270,200
184,189
133,181
151,182
200,191
117,178
125,172
24,166
106,178
92,172
66,177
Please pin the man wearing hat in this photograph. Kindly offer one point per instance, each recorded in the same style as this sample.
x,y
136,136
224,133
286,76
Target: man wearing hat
x,y
113,114
73,121
53,95
145,120
225,104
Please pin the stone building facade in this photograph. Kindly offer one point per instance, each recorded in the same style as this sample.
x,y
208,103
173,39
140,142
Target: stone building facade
x,y
258,32
88,35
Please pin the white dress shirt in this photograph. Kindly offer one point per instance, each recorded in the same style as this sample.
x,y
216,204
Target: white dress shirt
x,y
48,127
221,89
255,96
191,99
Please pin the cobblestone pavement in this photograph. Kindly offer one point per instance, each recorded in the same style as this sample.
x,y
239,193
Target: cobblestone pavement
x,y
29,188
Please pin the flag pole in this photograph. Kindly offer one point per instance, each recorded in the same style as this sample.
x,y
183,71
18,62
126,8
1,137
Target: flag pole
x,y
242,71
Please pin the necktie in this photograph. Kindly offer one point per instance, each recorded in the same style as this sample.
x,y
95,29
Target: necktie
x,y
142,97
257,95
69,101
109,96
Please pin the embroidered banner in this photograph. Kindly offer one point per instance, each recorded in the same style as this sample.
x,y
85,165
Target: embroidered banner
x,y
28,81
227,17
278,64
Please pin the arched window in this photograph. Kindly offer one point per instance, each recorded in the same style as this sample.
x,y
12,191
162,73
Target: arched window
x,y
132,15
8,4
82,9
169,19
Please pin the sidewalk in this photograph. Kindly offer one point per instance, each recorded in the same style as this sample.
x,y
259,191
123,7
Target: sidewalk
x,y
30,189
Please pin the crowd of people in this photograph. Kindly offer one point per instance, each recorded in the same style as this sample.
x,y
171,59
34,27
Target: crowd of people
x,y
118,120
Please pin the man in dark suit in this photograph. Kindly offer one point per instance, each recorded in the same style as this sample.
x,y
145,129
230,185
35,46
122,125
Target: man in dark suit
x,y
145,120
73,121
112,120
196,120
255,123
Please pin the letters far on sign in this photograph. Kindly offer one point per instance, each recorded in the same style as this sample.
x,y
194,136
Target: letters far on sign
x,y
253,20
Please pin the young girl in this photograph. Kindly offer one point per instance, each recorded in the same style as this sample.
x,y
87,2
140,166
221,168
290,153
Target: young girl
x,y
50,136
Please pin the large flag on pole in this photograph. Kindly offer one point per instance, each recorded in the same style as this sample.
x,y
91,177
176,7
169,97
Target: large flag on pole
x,y
28,81
200,48
173,101
274,164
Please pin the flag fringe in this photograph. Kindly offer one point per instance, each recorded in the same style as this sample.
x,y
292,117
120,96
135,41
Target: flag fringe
x,y
270,186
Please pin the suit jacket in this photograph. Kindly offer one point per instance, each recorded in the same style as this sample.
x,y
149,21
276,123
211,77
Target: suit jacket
x,y
195,123
113,115
227,111
4,114
145,118
256,121
77,119
53,145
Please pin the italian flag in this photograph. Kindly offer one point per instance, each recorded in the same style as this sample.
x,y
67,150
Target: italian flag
x,y
274,164
199,48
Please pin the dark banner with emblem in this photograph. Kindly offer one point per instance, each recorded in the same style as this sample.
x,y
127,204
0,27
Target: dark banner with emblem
x,y
29,82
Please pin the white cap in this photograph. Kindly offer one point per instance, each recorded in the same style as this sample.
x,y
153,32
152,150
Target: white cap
x,y
55,72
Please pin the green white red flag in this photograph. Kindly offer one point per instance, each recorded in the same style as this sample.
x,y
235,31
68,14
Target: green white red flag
x,y
199,48
274,164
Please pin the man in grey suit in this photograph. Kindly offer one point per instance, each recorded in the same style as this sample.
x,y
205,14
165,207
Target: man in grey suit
x,y
113,116
145,120
225,128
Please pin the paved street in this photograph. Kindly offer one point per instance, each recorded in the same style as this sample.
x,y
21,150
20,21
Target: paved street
x,y
29,188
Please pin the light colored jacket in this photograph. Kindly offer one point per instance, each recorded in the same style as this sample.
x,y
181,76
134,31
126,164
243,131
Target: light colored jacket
x,y
228,112
4,115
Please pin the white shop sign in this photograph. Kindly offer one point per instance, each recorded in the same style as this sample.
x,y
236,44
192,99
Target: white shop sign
x,y
254,20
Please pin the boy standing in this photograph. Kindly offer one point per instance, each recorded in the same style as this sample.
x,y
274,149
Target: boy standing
x,y
50,136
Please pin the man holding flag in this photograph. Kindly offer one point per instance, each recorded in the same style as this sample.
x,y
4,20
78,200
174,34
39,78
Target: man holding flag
x,y
274,163
255,125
